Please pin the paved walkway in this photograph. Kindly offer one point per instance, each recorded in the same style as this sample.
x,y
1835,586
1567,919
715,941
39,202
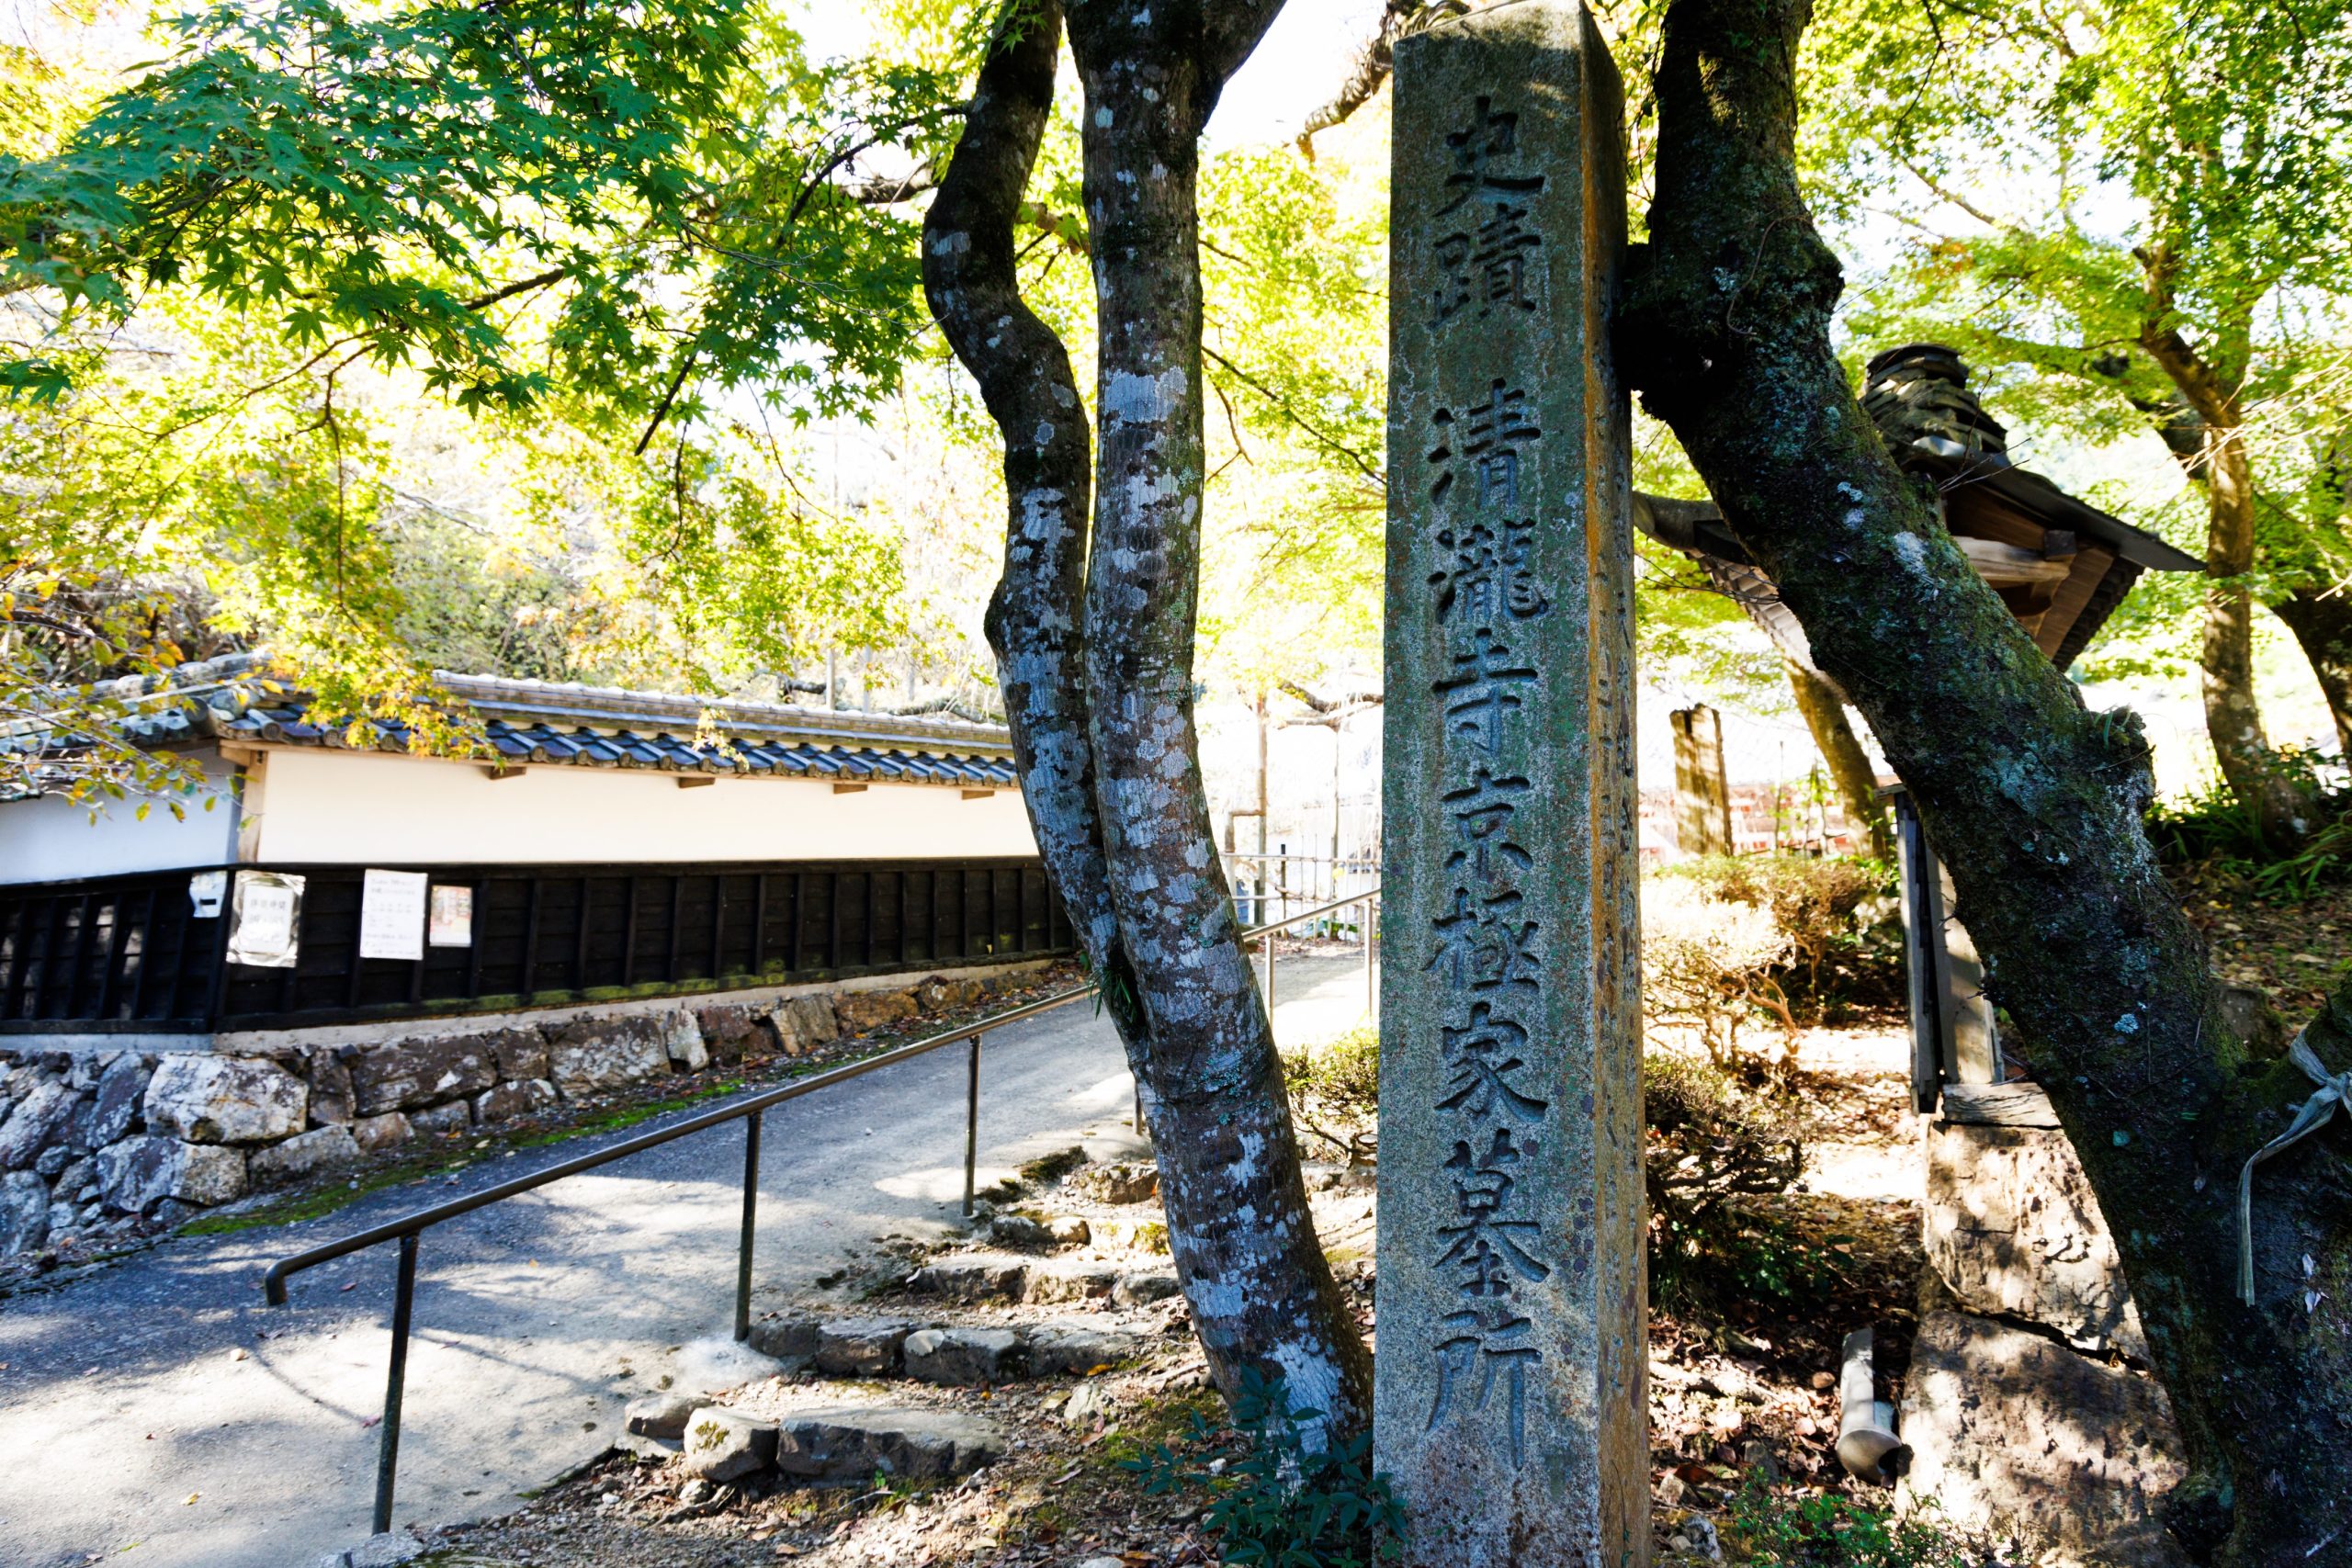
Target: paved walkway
x,y
158,1409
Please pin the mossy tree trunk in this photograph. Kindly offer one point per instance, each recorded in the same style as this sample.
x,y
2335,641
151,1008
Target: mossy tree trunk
x,y
2321,619
2033,802
1094,634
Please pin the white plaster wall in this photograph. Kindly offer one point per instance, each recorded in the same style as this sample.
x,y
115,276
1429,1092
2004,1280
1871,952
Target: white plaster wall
x,y
52,840
380,809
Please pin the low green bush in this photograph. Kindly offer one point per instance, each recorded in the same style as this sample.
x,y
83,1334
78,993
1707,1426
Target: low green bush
x,y
1279,1503
1711,1148
1335,1091
2213,829
1827,1532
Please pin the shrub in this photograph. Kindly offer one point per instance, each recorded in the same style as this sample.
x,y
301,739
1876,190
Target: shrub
x,y
1813,901
2210,826
1281,1505
1710,966
1335,1091
1709,1147
1831,1532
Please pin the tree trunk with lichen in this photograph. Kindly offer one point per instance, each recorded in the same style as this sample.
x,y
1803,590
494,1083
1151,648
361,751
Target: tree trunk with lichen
x,y
1099,678
2034,803
2321,619
1849,765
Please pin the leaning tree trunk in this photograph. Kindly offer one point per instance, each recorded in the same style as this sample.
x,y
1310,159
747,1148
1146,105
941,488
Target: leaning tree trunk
x,y
1100,689
2033,803
1850,767
2322,622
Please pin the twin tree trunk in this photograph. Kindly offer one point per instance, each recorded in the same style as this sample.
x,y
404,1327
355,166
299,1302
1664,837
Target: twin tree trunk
x,y
1093,631
2033,803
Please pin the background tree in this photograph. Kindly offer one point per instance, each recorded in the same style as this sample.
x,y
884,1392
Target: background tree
x,y
2033,802
2137,205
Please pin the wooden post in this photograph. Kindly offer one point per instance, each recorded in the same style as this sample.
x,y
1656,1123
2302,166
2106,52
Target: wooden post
x,y
1509,1384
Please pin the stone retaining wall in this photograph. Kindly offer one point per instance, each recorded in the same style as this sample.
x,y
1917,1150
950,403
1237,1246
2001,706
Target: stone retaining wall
x,y
98,1144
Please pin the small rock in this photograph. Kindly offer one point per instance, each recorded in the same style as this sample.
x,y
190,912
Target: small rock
x,y
724,1445
509,1100
1823,1380
520,1054
591,1053
1090,1401
659,1414
1078,1346
682,1038
1102,1562
322,1148
120,1089
1131,1181
24,1213
972,1277
861,1348
1020,1231
454,1117
203,1099
377,1133
962,1357
861,1012
786,1338
407,1075
1138,1289
38,1118
1756,1458
1068,1230
332,1100
138,1172
852,1444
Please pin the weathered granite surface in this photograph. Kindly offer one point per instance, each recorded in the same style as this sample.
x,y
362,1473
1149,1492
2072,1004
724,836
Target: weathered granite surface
x,y
2013,1229
1509,1408
2011,1433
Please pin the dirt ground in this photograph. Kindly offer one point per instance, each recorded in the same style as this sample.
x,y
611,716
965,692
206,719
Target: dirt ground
x,y
1742,1392
2296,952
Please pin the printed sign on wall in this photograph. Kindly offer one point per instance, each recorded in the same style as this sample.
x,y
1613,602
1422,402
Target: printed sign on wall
x,y
391,914
267,914
452,920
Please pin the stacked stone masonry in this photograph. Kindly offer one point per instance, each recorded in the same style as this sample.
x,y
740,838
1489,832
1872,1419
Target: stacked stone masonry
x,y
96,1144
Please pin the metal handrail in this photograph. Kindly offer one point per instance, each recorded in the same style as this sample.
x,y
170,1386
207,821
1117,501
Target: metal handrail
x,y
749,1111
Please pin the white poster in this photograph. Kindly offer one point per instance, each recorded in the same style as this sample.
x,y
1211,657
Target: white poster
x,y
452,922
267,914
392,913
207,891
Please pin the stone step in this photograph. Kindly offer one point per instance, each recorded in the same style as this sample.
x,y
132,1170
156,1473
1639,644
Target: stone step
x,y
834,1443
951,1355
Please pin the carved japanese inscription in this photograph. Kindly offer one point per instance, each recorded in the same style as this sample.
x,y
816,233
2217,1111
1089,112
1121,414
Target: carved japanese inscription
x,y
1512,1334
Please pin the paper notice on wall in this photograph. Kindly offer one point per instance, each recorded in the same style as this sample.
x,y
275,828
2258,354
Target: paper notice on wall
x,y
392,913
452,920
207,891
265,920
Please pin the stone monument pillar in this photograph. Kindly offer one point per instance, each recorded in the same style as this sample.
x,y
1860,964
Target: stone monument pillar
x,y
1702,795
1509,1407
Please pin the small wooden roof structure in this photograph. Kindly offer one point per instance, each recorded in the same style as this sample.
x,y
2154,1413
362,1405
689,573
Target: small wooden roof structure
x,y
2061,566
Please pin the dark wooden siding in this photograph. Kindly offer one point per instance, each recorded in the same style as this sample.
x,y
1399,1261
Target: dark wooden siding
x,y
126,952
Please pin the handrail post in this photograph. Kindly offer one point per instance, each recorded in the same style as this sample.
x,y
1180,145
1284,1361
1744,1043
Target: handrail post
x,y
1371,986
388,1447
972,1127
751,1212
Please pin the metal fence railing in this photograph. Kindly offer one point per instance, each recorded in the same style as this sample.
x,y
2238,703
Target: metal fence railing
x,y
750,1110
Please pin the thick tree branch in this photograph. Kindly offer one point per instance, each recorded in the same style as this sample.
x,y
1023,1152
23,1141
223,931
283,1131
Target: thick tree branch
x,y
1035,621
1369,67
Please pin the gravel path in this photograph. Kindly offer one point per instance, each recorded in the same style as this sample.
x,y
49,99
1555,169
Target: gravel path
x,y
158,1408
